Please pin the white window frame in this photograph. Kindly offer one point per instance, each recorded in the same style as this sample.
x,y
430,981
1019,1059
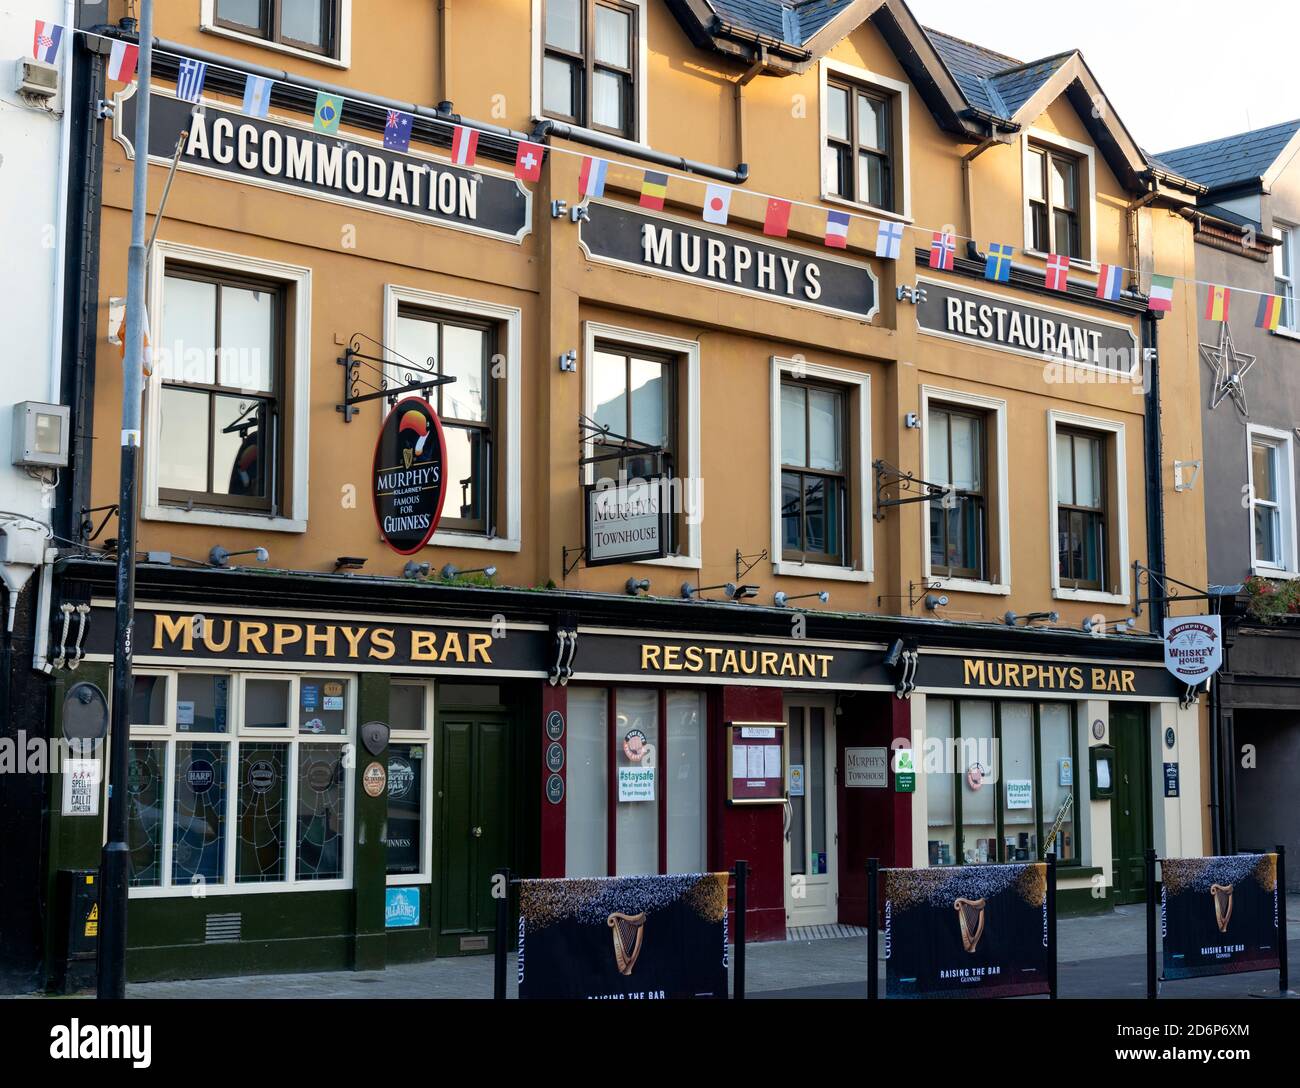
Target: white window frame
x,y
892,88
640,137
510,404
996,410
409,738
856,382
208,25
296,415
1286,250
1118,565
1087,156
234,736
1281,441
688,399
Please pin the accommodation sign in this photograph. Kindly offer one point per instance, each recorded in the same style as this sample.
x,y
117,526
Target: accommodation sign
x,y
1007,324
667,246
344,169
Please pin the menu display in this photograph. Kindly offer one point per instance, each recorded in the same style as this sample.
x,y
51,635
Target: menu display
x,y
757,762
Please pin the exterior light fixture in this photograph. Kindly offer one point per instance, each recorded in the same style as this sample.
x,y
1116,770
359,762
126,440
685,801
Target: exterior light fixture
x,y
730,590
1096,625
349,562
781,599
637,586
934,602
220,557
1011,619
895,654
451,571
415,570
742,592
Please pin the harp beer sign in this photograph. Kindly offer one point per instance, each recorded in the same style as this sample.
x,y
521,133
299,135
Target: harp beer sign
x,y
408,477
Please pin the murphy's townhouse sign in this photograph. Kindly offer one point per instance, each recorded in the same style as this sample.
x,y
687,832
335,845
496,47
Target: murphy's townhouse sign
x,y
994,321
346,169
667,246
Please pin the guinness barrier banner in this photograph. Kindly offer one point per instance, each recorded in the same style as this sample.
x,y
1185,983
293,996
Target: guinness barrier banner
x,y
343,168
1007,324
1219,915
966,672
971,931
624,938
666,246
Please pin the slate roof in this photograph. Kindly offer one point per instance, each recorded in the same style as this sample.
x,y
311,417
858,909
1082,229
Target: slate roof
x,y
1233,160
792,21
992,81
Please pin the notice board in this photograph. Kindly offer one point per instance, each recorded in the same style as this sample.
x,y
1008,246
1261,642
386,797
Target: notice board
x,y
757,762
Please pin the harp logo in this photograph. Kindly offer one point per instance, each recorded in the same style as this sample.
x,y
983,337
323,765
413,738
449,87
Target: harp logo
x,y
1222,896
627,932
970,916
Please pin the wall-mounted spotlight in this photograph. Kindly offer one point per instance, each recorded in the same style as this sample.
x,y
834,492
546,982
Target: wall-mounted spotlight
x,y
935,601
415,570
894,654
781,599
1095,625
730,590
1011,619
742,592
349,562
451,571
220,557
636,586
569,361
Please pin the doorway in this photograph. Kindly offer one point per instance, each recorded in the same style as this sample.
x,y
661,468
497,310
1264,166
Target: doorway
x,y
474,753
1131,816
811,861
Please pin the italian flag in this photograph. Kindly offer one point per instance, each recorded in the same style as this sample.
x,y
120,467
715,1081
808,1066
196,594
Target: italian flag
x,y
1162,293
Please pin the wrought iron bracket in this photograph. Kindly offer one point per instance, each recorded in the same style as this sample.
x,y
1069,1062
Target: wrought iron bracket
x,y
365,377
907,484
916,592
577,554
746,563
1169,588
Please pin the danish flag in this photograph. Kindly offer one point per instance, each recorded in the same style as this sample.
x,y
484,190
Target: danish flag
x,y
1058,267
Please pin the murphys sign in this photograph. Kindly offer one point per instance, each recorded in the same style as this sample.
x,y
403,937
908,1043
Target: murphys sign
x,y
1193,647
343,168
664,245
1008,324
409,469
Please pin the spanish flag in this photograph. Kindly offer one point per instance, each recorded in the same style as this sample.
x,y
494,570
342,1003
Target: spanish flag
x,y
1270,312
654,190
1216,304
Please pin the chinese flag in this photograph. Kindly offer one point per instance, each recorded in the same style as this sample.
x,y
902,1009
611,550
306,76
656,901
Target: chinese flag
x,y
777,222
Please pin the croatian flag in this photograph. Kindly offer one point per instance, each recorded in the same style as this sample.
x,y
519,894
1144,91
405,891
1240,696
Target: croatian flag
x,y
717,205
591,181
1110,282
837,230
528,161
1058,268
121,62
943,249
189,80
397,130
46,40
464,145
889,241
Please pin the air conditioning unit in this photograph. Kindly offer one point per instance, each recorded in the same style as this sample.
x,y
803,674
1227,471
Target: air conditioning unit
x,y
36,80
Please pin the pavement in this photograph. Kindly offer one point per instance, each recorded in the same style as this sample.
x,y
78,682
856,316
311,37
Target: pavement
x,y
1098,956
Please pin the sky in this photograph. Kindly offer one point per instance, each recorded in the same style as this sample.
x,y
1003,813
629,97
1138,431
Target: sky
x,y
1177,74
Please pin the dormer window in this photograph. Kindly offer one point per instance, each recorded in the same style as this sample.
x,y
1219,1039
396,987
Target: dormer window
x,y
589,64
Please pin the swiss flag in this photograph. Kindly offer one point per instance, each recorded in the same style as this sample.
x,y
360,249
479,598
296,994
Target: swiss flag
x,y
528,161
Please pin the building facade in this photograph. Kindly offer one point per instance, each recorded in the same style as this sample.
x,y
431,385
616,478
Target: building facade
x,y
893,505
1247,234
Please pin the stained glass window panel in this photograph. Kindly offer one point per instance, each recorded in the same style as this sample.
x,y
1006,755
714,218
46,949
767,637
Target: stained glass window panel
x,y
199,814
260,853
322,796
144,809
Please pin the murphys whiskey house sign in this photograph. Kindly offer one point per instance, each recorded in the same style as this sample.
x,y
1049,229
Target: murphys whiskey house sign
x,y
343,168
667,246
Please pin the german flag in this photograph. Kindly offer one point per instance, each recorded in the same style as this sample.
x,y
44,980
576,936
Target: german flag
x,y
654,190
1270,312
1216,303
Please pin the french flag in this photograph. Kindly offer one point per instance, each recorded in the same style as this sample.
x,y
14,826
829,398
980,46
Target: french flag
x,y
837,230
1110,282
464,146
45,41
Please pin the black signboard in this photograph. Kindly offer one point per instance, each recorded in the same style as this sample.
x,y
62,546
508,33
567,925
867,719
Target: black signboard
x,y
407,483
624,938
1219,915
969,931
679,249
1008,324
342,168
973,672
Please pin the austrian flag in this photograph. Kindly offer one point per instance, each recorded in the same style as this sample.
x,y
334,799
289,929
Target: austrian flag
x,y
528,161
1058,270
464,145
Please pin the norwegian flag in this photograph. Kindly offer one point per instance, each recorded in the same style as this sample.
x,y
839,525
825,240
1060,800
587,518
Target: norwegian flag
x,y
1058,268
528,161
464,145
45,41
943,250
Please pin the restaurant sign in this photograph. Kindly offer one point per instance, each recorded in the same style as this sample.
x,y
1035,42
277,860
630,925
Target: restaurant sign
x,y
344,169
1007,324
667,246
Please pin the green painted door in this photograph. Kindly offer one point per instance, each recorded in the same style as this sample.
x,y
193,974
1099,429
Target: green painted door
x,y
1130,811
475,826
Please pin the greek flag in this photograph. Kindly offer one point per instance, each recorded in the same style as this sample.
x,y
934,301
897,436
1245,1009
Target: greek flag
x,y
189,80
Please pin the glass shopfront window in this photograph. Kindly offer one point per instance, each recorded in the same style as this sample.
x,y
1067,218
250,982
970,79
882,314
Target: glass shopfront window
x,y
410,756
997,774
219,761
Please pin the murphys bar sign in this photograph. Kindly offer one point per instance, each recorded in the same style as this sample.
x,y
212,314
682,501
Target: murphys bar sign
x,y
1007,324
961,672
667,246
343,168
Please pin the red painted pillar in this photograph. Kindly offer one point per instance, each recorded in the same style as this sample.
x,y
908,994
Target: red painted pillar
x,y
901,726
555,701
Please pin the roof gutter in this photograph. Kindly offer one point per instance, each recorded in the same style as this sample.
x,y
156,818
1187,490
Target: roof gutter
x,y
1175,181
617,144
720,28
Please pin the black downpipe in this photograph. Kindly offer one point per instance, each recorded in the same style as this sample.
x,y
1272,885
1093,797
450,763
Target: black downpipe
x,y
1153,458
81,279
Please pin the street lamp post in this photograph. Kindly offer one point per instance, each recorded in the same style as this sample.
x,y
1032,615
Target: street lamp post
x,y
115,862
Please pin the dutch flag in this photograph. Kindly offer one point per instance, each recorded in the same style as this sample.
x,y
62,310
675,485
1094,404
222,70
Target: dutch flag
x,y
1110,282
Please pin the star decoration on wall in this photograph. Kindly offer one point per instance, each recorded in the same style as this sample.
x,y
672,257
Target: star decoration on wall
x,y
1230,367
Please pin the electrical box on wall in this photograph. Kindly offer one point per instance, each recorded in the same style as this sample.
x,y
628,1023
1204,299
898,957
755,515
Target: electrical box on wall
x,y
40,435
1101,771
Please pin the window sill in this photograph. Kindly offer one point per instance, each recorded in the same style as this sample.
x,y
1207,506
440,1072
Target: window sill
x,y
1287,334
408,880
176,891
969,585
1080,263
1094,595
1263,570
473,542
788,568
275,47
874,212
226,519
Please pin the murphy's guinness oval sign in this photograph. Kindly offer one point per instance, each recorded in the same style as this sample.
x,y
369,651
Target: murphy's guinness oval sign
x,y
410,460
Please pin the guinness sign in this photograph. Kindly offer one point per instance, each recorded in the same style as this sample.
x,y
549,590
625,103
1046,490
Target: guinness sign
x,y
410,459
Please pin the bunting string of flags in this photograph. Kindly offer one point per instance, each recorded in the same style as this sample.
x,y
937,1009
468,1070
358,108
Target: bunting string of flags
x,y
594,173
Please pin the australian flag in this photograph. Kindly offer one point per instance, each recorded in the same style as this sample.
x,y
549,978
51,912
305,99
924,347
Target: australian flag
x,y
189,80
397,130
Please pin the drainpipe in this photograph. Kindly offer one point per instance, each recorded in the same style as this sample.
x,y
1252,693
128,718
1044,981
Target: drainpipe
x,y
760,62
968,194
1131,221
442,95
61,212
1153,458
